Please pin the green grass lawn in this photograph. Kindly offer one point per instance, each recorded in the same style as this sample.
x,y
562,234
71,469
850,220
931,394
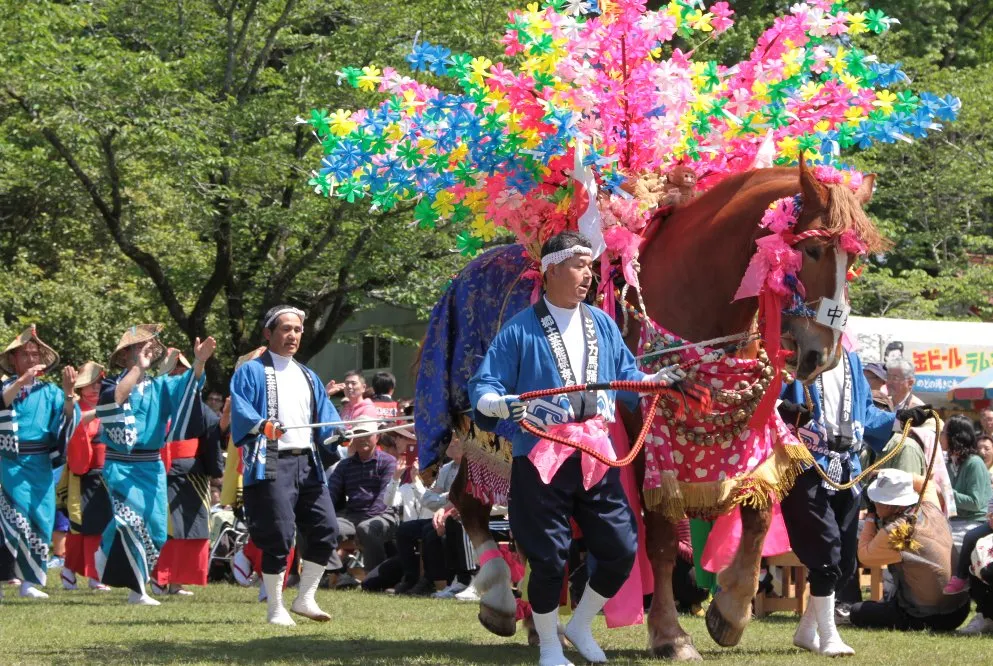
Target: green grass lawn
x,y
225,624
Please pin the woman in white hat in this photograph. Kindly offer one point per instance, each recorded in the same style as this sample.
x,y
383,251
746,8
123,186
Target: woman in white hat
x,y
140,416
919,572
87,500
36,420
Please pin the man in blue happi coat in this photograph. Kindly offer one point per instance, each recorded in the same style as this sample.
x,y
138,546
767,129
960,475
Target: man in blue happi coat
x,y
561,341
36,421
822,522
274,403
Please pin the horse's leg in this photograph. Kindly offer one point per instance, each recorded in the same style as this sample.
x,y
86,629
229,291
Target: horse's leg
x,y
497,606
731,609
666,638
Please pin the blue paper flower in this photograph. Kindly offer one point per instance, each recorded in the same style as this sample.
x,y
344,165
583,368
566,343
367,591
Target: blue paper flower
x,y
948,108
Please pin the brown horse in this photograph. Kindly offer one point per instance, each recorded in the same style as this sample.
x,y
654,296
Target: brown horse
x,y
692,264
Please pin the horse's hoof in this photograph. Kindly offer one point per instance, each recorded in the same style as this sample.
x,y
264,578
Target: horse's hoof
x,y
677,651
723,632
496,622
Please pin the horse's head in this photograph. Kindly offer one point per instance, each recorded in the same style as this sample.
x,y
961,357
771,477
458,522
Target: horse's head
x,y
831,224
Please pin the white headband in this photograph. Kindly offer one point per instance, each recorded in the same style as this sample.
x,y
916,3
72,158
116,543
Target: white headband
x,y
562,255
276,315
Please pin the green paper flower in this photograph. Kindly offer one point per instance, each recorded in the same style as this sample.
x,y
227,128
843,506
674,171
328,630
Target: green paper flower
x,y
425,214
468,244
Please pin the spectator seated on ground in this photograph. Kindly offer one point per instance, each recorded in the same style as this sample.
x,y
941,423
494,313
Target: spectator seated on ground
x,y
918,601
980,580
405,496
438,537
960,580
358,487
970,478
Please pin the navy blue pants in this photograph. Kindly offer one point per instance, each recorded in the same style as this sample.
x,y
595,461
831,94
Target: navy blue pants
x,y
420,532
824,530
295,502
539,521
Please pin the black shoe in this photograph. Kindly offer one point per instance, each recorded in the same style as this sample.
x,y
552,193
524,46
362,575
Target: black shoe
x,y
422,588
404,587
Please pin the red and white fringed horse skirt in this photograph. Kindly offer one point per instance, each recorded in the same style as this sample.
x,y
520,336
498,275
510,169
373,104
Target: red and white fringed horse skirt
x,y
700,469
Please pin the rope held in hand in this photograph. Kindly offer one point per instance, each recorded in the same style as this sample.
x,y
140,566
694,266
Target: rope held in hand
x,y
626,460
655,389
871,469
901,537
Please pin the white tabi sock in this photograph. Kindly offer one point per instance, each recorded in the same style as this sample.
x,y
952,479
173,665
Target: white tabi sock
x,y
806,632
141,599
97,586
305,604
29,591
276,613
241,567
831,644
579,631
68,577
549,645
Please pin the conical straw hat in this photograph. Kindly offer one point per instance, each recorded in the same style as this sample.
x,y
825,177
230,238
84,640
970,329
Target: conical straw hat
x,y
137,335
88,374
173,358
48,356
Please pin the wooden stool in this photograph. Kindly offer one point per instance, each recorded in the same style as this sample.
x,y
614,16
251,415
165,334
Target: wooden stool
x,y
794,587
873,580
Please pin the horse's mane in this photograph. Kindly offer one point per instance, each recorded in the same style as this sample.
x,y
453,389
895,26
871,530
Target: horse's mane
x,y
845,213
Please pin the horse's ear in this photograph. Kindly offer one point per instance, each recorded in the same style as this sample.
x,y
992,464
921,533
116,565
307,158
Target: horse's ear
x,y
812,189
864,193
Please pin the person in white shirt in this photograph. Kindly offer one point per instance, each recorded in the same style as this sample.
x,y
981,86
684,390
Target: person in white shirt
x,y
274,401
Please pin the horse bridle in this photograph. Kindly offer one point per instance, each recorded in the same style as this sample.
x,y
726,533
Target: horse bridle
x,y
799,307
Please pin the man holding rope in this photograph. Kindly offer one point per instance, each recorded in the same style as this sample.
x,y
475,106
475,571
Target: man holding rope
x,y
833,417
280,414
559,342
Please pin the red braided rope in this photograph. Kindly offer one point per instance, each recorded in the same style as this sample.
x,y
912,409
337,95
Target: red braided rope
x,y
626,460
653,388
793,239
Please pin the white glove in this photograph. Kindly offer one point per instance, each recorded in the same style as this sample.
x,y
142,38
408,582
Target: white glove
x,y
668,375
502,406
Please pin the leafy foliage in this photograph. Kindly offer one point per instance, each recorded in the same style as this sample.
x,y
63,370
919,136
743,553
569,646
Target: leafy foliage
x,y
153,170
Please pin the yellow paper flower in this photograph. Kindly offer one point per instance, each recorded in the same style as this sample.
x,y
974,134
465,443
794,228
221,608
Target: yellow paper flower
x,y
788,146
370,78
458,153
837,61
482,228
809,90
856,23
700,21
853,83
444,203
884,101
340,122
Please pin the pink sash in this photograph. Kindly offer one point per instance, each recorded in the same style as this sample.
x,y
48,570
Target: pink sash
x,y
548,456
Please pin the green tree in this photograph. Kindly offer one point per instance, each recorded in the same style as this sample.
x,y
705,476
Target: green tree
x,y
163,134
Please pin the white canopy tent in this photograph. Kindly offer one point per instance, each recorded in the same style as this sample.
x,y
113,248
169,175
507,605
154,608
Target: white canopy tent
x,y
943,352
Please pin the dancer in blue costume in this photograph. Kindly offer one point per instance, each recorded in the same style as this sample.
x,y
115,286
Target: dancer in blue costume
x,y
137,413
36,421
